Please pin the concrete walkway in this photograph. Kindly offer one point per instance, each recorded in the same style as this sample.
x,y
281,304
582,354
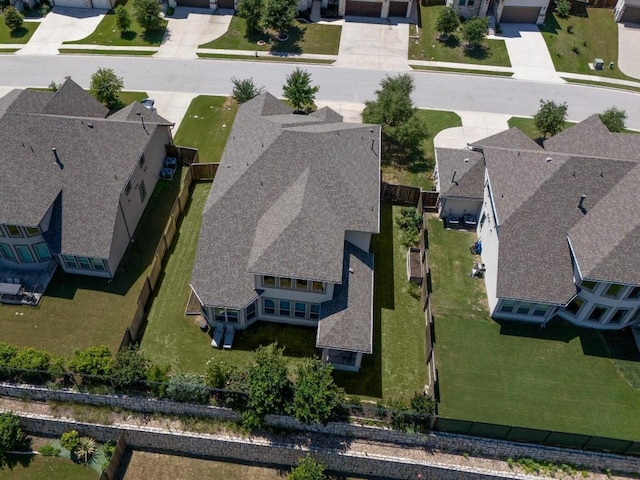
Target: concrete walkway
x,y
629,49
190,27
475,126
62,25
172,105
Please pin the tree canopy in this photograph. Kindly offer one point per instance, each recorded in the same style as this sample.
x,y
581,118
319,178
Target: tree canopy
x,y
11,435
614,119
447,21
245,89
474,30
12,18
279,15
123,20
147,13
551,117
316,397
106,87
129,369
251,11
299,91
92,361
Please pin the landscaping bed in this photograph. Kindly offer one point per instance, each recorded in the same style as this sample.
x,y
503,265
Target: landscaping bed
x,y
428,47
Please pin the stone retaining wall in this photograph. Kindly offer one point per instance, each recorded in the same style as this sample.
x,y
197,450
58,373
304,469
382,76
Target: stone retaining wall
x,y
446,442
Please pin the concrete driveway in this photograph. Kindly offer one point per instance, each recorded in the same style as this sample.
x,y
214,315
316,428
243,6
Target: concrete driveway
x,y
190,27
629,49
381,44
475,126
528,53
62,25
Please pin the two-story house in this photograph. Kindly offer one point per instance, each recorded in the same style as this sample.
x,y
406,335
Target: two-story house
x,y
287,226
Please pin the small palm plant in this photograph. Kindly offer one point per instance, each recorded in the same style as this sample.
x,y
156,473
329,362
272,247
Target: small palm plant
x,y
86,448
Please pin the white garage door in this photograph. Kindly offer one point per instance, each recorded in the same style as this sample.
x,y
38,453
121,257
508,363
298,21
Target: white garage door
x,y
73,3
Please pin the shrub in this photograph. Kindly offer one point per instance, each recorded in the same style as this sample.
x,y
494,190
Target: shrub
x,y
7,353
614,119
308,469
86,449
157,379
130,369
11,435
218,373
187,388
316,397
410,222
31,359
96,361
49,450
12,18
70,440
45,9
563,8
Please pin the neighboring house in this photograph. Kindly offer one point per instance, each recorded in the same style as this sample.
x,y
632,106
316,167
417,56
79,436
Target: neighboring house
x,y
627,11
559,225
104,4
504,11
76,182
286,229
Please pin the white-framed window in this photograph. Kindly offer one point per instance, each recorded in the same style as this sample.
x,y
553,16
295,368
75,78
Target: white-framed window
x,y
507,306
32,231
250,312
1,231
269,281
98,264
598,313
289,308
302,285
269,306
14,231
314,311
24,254
588,285
574,306
285,282
42,252
300,310
619,316
540,310
524,307
7,252
84,263
288,283
634,294
284,308
614,290
70,261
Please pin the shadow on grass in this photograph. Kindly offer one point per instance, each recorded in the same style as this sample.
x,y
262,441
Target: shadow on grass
x,y
556,330
550,25
10,461
292,44
452,42
19,32
154,36
128,35
479,52
297,341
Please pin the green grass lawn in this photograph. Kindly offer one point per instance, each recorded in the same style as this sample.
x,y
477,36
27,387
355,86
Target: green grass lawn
x,y
107,32
20,35
206,126
119,53
38,467
79,311
419,173
428,47
559,378
593,36
303,38
528,126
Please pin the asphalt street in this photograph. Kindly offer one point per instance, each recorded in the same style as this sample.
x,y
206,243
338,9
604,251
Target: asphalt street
x,y
433,90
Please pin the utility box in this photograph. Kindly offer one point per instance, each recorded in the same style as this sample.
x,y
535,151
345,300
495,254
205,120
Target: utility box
x,y
598,64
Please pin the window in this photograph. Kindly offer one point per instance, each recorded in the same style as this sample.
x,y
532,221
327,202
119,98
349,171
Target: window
x,y
14,231
597,313
84,263
143,191
634,293
269,307
268,281
524,308
462,3
24,253
98,264
619,315
127,189
574,306
1,232
317,287
32,231
482,219
314,311
70,261
302,285
285,282
218,314
251,311
507,306
232,316
588,285
540,310
300,310
7,253
285,308
470,3
42,252
614,290
141,161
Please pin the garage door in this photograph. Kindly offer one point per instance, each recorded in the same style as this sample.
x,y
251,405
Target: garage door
x,y
194,3
363,9
398,9
226,4
73,3
520,15
631,15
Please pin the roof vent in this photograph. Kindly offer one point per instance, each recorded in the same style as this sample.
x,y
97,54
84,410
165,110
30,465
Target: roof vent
x,y
453,177
350,270
466,160
548,159
581,204
57,159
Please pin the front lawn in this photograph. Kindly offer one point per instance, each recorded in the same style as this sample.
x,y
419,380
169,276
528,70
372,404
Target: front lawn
x,y
206,126
397,367
594,35
303,38
39,467
107,32
559,378
418,173
428,47
20,35
528,126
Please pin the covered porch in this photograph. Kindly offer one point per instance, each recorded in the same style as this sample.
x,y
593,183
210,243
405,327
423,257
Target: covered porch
x,y
20,286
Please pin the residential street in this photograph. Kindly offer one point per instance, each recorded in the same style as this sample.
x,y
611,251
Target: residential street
x,y
433,90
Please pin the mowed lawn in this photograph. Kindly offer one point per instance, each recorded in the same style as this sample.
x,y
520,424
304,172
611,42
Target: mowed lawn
x,y
39,467
303,38
107,32
428,47
20,35
559,378
206,126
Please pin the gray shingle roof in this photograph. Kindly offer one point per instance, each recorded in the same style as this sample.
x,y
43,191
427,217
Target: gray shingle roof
x,y
468,167
511,139
97,162
282,200
346,321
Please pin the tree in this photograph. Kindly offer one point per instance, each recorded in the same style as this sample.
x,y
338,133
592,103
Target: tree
x,y
402,130
447,21
474,30
299,91
96,361
551,117
307,469
12,18
279,15
123,19
614,119
268,388
188,388
158,378
218,373
147,13
7,354
251,11
85,449
11,435
245,90
316,397
106,86
130,368
563,8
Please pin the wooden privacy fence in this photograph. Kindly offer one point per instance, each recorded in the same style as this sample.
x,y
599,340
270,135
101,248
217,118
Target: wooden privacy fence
x,y
424,200
185,155
195,172
116,459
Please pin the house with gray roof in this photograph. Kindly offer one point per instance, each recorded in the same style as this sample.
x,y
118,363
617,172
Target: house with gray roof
x,y
286,229
80,180
559,224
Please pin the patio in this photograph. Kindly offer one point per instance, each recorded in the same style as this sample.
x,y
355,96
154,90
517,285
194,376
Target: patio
x,y
25,287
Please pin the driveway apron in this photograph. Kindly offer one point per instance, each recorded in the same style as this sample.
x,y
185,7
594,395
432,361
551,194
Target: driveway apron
x,y
629,49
